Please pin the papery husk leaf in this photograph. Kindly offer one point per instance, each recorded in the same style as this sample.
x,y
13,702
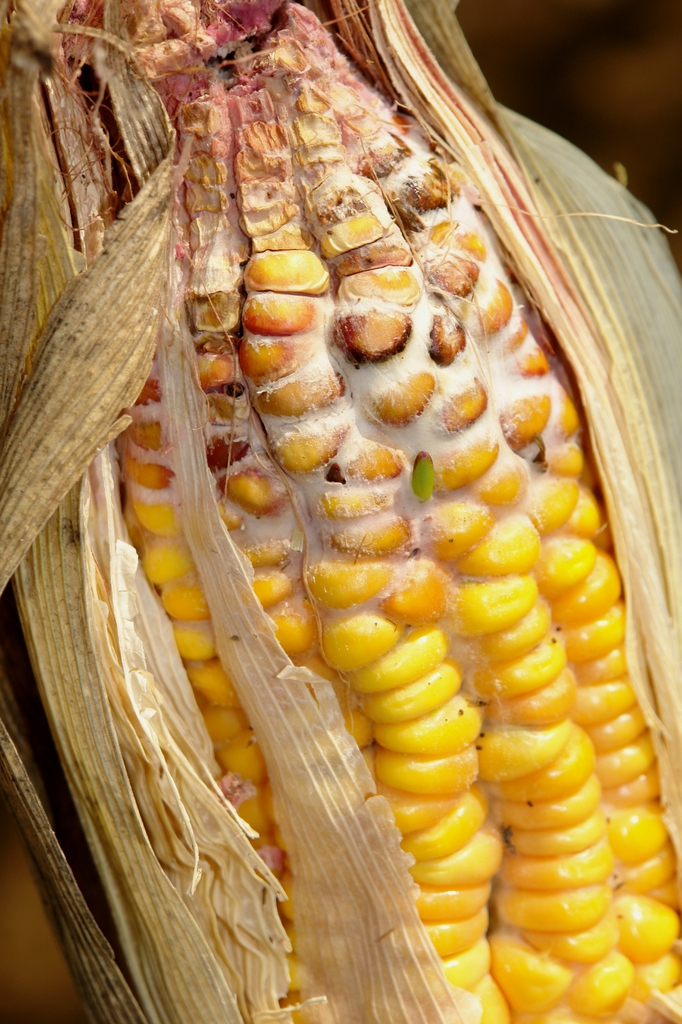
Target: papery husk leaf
x,y
176,976
341,839
196,834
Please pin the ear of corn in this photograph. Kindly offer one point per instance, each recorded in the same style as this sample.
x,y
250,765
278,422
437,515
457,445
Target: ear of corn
x,y
396,552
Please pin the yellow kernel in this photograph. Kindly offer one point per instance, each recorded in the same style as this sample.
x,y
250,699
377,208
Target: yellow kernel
x,y
497,308
617,733
440,732
294,271
194,644
503,486
595,639
453,830
271,588
668,894
602,702
539,667
359,726
473,864
590,866
242,755
602,988
185,601
511,547
422,596
148,474
540,707
622,766
519,814
465,970
507,753
567,461
254,813
650,874
287,906
442,903
413,811
158,519
564,562
568,839
523,419
231,518
347,504
520,638
351,643
638,790
296,632
647,928
404,401
393,284
450,937
278,314
255,492
381,539
569,421
457,527
300,454
552,502
268,555
586,518
495,1007
414,699
211,680
350,234
224,723
531,983
421,652
637,833
584,947
342,584
567,911
660,976
611,666
463,467
564,776
481,608
418,774
166,561
593,597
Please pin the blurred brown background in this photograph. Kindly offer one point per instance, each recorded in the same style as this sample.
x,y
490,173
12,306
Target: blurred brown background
x,y
606,74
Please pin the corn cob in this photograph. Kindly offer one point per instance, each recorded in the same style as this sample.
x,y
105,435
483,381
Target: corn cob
x,y
453,398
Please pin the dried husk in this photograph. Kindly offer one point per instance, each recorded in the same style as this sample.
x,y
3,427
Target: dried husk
x,y
608,290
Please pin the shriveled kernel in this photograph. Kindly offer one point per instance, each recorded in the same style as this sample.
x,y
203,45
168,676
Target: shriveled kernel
x,y
417,773
158,519
420,652
255,492
298,271
213,682
164,561
532,983
512,546
295,631
552,502
452,274
351,234
443,731
447,339
510,752
603,988
343,584
372,336
461,410
473,864
480,608
273,314
564,563
531,671
593,597
647,928
441,903
382,538
385,252
562,777
584,947
421,595
405,401
187,601
148,474
224,723
243,756
458,526
462,467
450,937
393,284
595,639
272,587
525,418
467,969
496,311
351,643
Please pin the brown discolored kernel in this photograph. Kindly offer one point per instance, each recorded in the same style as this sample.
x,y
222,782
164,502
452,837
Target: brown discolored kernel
x,y
524,419
497,312
204,170
273,314
146,434
405,401
460,411
447,340
386,252
266,361
221,452
298,397
454,275
218,311
373,336
374,462
429,191
256,492
151,392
